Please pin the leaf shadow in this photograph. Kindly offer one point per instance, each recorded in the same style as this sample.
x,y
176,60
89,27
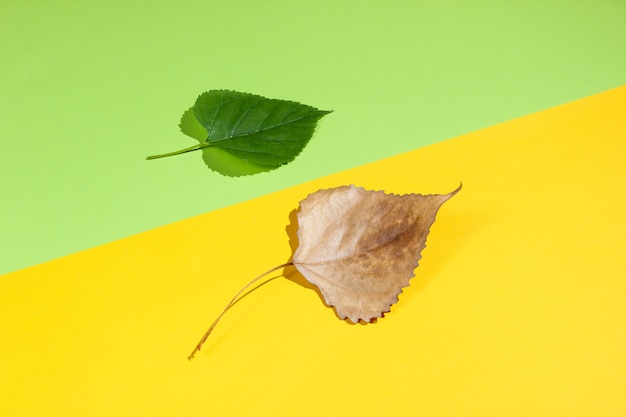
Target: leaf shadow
x,y
217,159
460,226
293,275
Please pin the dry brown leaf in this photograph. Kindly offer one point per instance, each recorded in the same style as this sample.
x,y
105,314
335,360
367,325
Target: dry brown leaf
x,y
360,247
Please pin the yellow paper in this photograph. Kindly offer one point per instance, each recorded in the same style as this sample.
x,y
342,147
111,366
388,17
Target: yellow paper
x,y
517,307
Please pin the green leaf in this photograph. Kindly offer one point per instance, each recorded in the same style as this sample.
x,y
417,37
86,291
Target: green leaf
x,y
261,133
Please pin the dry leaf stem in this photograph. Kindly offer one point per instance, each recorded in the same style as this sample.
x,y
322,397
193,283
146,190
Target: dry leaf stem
x,y
229,305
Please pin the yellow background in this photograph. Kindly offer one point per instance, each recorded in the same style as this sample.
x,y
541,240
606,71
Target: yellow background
x,y
517,308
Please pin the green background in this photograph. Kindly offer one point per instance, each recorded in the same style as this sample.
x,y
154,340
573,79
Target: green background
x,y
89,89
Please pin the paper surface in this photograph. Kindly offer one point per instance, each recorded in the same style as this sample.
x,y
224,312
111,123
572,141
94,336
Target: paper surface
x,y
89,89
517,307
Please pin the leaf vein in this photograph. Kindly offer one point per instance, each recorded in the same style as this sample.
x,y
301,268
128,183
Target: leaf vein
x,y
261,130
243,116
354,255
